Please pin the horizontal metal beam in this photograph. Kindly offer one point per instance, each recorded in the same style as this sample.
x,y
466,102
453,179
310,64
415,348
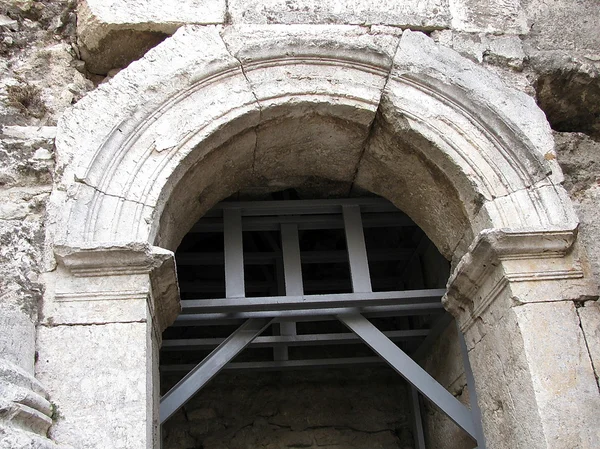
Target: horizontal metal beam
x,y
414,298
331,285
411,371
282,364
204,371
192,344
302,207
214,319
305,222
307,257
297,315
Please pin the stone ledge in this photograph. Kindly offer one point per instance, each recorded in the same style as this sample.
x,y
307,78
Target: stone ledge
x,y
526,266
112,33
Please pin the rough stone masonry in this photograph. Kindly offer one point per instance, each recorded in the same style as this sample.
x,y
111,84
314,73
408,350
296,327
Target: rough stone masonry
x,y
56,53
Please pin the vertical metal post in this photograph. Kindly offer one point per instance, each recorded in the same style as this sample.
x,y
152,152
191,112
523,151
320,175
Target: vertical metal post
x,y
234,253
357,250
417,418
475,410
292,272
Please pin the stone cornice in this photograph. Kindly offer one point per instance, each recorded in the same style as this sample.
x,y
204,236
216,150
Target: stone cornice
x,y
97,273
502,258
111,259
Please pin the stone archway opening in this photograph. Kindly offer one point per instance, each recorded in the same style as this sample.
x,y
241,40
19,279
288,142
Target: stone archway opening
x,y
209,111
306,381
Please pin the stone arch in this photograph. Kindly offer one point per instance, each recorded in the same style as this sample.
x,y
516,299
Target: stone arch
x,y
213,109
464,152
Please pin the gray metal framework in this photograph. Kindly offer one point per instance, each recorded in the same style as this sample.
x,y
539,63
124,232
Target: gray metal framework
x,y
291,305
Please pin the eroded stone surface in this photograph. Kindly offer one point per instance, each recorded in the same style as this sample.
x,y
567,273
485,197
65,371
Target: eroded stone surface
x,y
429,14
504,16
563,379
114,33
334,408
575,20
104,392
579,157
29,38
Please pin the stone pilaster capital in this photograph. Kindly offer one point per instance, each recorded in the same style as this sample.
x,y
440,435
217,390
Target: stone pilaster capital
x,y
111,259
127,275
511,263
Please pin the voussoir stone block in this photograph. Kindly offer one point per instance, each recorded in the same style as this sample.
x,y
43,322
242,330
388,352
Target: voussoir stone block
x,y
112,33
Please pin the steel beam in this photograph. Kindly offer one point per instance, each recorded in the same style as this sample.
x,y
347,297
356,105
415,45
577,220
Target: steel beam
x,y
292,273
302,207
415,403
284,364
223,319
262,258
357,250
411,371
193,344
234,253
305,222
203,372
334,285
413,308
475,410
303,302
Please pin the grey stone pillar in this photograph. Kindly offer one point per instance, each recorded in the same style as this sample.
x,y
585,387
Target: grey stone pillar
x,y
104,312
25,412
514,296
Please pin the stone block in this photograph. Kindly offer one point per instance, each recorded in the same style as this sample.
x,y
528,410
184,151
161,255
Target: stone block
x,y
17,339
561,372
298,123
415,14
112,33
98,376
504,386
500,16
564,25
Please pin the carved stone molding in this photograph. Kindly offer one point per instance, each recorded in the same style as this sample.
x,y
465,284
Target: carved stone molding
x,y
180,130
25,412
126,276
533,265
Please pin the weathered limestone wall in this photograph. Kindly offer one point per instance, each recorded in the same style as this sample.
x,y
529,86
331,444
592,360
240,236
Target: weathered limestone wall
x,y
38,81
355,408
579,157
549,50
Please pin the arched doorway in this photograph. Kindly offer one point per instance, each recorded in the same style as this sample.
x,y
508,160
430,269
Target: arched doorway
x,y
468,159
306,380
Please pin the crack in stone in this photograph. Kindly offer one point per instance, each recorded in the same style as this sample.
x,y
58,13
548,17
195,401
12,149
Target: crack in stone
x,y
227,20
250,87
372,125
83,182
54,325
587,347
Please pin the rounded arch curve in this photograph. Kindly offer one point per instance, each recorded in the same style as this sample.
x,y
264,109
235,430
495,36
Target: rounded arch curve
x,y
212,109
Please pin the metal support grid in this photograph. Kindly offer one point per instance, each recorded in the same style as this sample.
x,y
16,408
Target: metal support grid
x,y
295,306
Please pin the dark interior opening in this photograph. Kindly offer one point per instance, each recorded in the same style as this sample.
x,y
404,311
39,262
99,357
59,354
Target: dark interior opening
x,y
338,393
